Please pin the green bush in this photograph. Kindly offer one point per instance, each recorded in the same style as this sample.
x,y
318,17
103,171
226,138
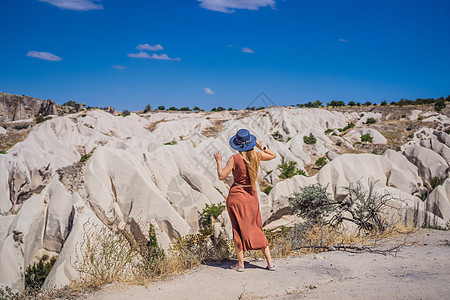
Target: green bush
x,y
125,113
153,254
321,161
208,215
40,119
70,103
3,152
171,143
277,136
366,138
161,107
371,121
84,157
436,181
328,130
349,125
439,104
147,108
313,203
35,275
289,169
267,189
365,208
310,140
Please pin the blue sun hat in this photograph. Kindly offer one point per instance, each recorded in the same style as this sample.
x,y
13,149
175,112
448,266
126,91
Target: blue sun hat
x,y
243,140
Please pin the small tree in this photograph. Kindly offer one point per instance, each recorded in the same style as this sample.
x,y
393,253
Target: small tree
x,y
349,125
70,103
363,207
289,169
371,121
40,119
313,203
161,107
147,108
209,214
310,140
366,138
196,108
439,104
321,161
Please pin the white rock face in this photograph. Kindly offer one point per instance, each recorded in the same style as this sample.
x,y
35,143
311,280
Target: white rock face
x,y
48,197
430,163
356,134
438,201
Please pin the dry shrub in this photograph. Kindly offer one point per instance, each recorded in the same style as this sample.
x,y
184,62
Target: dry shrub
x,y
106,257
109,257
194,249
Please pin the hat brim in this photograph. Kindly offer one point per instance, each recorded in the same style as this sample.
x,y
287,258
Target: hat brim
x,y
245,147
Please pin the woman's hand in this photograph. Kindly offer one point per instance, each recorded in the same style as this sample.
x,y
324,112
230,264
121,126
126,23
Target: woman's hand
x,y
259,144
218,156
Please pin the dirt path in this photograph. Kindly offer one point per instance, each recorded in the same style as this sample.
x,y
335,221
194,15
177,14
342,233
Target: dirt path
x,y
420,270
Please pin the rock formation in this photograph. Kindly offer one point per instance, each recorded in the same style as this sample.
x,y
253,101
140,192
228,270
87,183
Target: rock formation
x,y
98,169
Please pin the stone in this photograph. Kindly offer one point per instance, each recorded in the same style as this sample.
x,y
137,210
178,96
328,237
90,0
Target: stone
x,y
377,137
438,201
429,163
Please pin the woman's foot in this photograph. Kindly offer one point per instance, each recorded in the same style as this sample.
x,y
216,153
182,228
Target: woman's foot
x,y
271,267
237,267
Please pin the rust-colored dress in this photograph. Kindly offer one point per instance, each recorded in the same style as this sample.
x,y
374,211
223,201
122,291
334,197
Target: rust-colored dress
x,y
243,208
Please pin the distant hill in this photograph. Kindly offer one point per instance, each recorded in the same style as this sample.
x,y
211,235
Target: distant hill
x,y
16,107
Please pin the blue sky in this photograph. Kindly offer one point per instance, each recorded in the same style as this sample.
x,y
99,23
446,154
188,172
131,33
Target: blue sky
x,y
213,53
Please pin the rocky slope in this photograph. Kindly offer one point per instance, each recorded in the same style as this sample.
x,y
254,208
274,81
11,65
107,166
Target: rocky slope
x,y
15,107
95,169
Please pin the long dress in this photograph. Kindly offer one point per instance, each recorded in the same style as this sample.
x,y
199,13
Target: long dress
x,y
243,209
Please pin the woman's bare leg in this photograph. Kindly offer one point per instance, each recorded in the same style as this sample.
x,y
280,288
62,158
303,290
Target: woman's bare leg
x,y
240,256
266,252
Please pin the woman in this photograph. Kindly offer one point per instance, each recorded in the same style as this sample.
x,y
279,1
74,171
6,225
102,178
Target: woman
x,y
242,200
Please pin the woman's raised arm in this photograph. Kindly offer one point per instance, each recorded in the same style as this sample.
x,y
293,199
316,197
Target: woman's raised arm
x,y
223,173
266,154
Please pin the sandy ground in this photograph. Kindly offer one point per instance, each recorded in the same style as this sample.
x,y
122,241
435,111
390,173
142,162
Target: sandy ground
x,y
420,270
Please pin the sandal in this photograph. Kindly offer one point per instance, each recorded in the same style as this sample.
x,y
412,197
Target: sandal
x,y
271,268
237,268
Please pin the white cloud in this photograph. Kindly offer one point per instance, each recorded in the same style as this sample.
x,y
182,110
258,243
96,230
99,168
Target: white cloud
x,y
247,50
118,67
150,47
208,91
79,5
342,40
139,55
229,6
153,56
44,55
163,57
